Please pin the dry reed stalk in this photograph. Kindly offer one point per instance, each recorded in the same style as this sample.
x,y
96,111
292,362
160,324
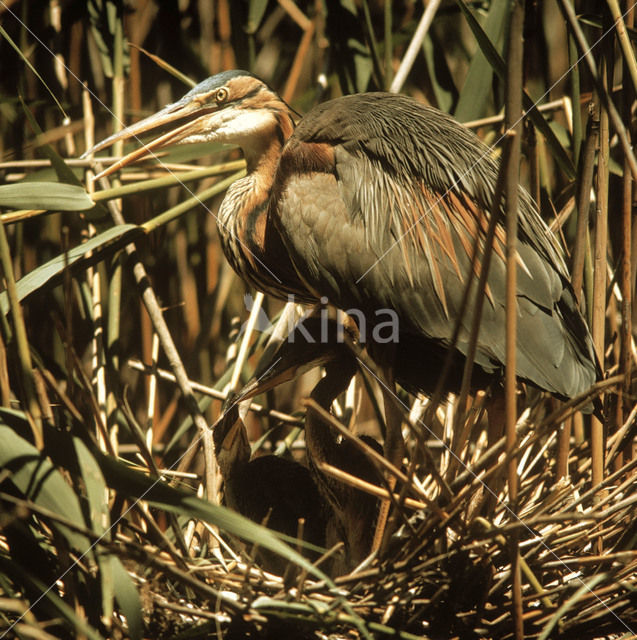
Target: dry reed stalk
x,y
598,324
586,51
586,167
302,51
483,268
513,113
627,269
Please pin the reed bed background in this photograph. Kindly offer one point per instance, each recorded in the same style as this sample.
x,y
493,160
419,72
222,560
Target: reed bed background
x,y
122,329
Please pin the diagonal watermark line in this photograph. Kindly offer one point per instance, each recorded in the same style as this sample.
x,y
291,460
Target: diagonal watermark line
x,y
488,151
150,153
514,516
133,504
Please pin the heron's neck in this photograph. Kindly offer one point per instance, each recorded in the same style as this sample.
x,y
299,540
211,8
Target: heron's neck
x,y
321,439
242,218
261,147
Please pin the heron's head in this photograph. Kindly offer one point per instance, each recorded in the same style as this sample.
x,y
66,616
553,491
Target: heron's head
x,y
232,107
315,341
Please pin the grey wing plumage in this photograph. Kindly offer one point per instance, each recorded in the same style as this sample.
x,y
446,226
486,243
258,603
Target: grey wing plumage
x,y
382,212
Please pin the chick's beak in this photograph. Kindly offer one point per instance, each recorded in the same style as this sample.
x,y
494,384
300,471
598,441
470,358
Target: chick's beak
x,y
185,118
235,431
226,430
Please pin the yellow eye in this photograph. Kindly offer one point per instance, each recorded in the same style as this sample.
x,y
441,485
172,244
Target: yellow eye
x,y
221,95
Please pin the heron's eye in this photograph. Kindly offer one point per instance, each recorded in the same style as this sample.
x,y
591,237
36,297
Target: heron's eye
x,y
222,95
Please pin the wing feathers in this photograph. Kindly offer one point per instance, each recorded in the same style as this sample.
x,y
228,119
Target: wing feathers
x,y
405,202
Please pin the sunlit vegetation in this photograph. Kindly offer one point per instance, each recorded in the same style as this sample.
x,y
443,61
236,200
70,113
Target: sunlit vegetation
x,y
123,330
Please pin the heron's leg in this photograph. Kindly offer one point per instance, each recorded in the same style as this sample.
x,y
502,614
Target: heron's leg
x,y
394,449
496,419
486,498
394,443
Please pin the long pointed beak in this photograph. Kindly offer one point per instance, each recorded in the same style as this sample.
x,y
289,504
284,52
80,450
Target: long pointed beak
x,y
300,352
279,372
186,114
312,343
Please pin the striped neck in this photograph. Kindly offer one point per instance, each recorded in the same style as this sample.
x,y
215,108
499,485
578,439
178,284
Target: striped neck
x,y
249,240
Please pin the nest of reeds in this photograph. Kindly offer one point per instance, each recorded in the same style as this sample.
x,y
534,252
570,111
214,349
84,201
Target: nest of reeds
x,y
449,568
